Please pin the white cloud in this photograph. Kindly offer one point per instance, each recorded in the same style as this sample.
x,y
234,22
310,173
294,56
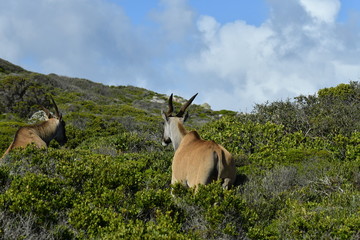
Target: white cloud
x,y
231,49
322,10
208,27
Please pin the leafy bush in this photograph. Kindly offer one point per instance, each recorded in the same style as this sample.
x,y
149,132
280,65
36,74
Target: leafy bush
x,y
213,212
7,133
333,111
22,95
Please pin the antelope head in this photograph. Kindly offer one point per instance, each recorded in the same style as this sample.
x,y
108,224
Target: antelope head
x,y
60,134
173,130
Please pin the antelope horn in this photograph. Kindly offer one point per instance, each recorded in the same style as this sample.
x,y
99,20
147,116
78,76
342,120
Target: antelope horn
x,y
171,107
56,108
185,106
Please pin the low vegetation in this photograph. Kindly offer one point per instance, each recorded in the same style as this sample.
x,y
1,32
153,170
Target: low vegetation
x,y
298,166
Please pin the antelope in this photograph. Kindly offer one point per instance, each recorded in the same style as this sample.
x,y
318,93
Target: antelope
x,y
42,133
196,161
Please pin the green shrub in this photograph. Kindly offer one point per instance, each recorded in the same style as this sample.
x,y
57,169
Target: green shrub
x,y
7,133
335,217
22,95
212,212
332,111
43,196
125,142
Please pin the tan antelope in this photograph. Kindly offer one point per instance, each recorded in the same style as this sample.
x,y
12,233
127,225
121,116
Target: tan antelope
x,y
196,161
42,133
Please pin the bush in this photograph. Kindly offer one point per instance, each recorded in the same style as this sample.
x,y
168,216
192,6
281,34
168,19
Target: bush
x,y
22,95
333,111
7,133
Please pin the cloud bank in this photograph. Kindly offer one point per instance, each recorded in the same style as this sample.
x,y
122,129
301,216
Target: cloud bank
x,y
300,48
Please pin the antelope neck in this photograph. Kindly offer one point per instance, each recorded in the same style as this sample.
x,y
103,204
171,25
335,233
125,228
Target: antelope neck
x,y
178,132
47,130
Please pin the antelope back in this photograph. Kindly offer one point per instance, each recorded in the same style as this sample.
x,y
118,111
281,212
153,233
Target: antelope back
x,y
197,161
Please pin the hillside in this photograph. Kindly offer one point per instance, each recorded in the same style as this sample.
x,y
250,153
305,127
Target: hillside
x,y
298,165
85,103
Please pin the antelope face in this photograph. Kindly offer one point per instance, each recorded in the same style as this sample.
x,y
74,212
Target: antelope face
x,y
60,132
167,133
60,135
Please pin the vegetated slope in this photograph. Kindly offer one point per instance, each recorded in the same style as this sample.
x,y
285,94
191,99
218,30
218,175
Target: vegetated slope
x,y
298,163
108,109
7,67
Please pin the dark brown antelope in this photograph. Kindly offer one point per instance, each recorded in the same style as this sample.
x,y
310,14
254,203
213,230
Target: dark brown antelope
x,y
196,161
42,133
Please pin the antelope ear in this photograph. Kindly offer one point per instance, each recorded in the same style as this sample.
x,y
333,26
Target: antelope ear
x,y
47,112
186,116
46,117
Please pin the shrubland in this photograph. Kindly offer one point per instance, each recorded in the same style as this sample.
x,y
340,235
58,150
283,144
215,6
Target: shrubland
x,y
297,162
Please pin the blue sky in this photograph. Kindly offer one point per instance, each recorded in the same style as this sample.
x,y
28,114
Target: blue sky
x,y
223,11
235,53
